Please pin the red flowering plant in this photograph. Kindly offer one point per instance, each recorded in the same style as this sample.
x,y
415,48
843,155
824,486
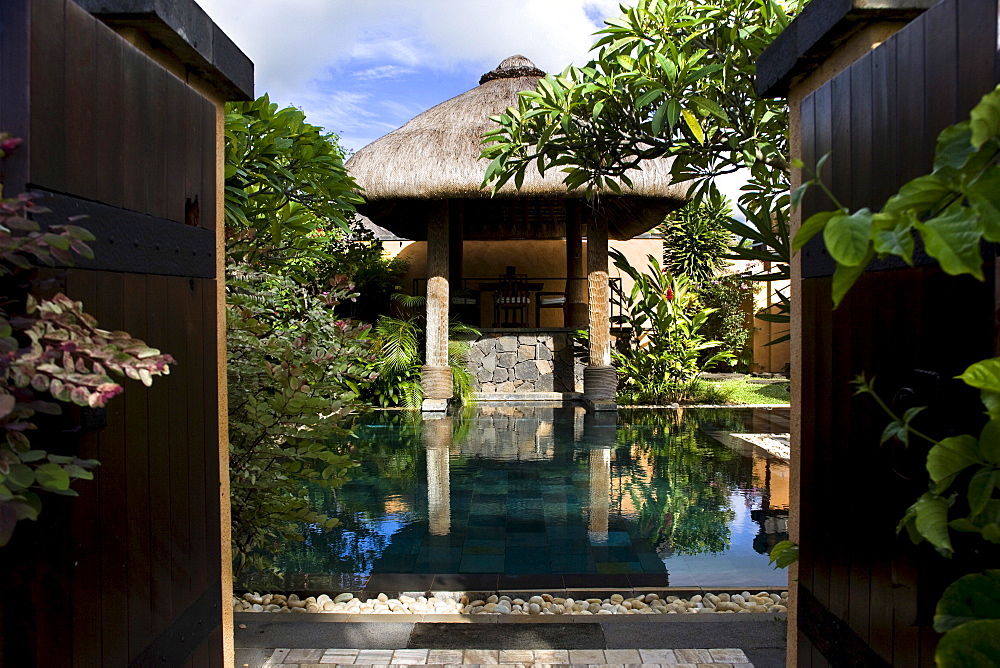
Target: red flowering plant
x,y
50,349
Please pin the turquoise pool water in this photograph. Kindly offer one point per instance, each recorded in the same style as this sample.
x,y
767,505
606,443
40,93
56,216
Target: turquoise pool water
x,y
660,496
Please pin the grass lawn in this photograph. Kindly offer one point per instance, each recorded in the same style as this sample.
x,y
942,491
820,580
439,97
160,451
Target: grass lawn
x,y
742,392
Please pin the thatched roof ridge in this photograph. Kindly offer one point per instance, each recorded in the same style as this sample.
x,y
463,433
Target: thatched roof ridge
x,y
436,154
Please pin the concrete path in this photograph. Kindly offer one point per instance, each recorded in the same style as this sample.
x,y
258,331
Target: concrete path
x,y
711,640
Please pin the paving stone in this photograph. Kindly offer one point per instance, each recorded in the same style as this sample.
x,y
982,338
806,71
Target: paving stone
x,y
482,656
728,656
693,656
622,656
409,657
277,656
374,656
304,656
517,656
586,656
658,656
444,656
551,656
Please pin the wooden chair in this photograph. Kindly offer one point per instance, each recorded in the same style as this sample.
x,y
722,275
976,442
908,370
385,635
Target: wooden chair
x,y
512,298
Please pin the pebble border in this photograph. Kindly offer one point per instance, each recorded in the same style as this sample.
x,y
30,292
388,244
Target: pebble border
x,y
669,658
542,604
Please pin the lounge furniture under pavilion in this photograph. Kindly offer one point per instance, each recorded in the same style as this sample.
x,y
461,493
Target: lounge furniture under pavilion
x,y
423,182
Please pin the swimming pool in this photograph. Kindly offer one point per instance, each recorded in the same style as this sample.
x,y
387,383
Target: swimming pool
x,y
662,497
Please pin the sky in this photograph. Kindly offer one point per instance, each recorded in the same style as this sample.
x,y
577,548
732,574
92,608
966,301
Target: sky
x,y
362,68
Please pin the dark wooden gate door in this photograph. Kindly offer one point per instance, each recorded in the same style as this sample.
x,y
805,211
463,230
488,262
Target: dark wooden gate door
x,y
132,572
866,596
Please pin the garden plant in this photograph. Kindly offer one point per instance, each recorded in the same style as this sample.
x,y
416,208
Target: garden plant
x,y
52,355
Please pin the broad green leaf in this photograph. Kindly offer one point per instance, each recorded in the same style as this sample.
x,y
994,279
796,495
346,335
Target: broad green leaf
x,y
693,125
984,197
971,597
981,489
932,521
895,430
52,476
660,115
812,226
985,118
989,442
709,107
953,147
950,457
953,240
896,241
983,375
848,238
784,554
921,196
972,645
844,277
673,113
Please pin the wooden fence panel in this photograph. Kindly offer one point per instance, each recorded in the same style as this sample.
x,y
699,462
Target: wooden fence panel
x,y
866,595
129,572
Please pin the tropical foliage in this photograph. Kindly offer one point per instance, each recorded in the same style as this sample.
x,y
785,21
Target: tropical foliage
x,y
695,239
670,78
662,353
287,191
295,368
293,375
398,351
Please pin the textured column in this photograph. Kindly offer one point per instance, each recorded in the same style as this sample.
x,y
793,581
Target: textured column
x,y
600,495
435,375
436,436
576,287
599,382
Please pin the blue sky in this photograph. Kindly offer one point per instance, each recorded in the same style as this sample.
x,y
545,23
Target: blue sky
x,y
364,67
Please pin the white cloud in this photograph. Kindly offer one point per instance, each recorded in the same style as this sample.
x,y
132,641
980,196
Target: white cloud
x,y
296,41
382,72
330,56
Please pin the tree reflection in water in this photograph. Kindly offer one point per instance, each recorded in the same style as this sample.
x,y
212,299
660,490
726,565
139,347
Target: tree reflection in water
x,y
671,488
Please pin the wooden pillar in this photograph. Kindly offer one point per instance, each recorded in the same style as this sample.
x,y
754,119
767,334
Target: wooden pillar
x,y
435,375
437,436
576,288
599,381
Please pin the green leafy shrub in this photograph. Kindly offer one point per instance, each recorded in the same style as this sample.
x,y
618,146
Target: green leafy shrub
x,y
659,354
731,297
696,242
293,376
376,277
398,351
286,187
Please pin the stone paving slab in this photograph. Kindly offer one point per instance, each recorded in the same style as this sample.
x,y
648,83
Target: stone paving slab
x,y
591,658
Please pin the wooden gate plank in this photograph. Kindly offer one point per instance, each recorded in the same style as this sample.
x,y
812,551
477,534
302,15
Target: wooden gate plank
x,y
137,485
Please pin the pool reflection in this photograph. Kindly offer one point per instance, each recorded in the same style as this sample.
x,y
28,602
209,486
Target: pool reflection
x,y
541,490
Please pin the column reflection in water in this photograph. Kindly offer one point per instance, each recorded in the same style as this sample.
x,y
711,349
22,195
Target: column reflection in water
x,y
600,494
436,435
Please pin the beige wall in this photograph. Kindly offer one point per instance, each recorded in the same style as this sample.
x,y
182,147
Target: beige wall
x,y
537,259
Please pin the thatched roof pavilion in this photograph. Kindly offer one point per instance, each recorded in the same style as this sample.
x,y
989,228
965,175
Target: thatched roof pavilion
x,y
423,182
436,156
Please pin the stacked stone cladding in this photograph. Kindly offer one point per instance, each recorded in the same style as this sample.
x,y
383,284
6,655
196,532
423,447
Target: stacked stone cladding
x,y
543,362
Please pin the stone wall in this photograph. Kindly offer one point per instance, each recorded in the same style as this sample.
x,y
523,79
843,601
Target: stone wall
x,y
525,362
